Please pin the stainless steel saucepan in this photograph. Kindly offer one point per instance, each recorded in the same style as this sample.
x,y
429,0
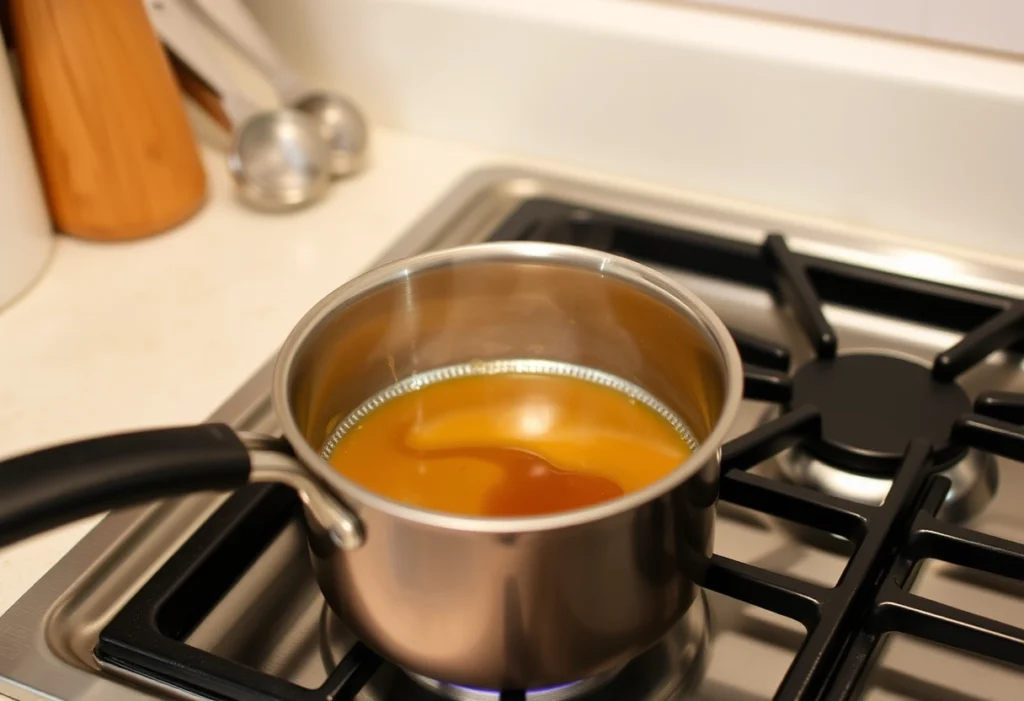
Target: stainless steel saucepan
x,y
513,603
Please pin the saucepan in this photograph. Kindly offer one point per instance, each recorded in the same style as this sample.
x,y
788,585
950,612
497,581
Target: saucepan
x,y
495,603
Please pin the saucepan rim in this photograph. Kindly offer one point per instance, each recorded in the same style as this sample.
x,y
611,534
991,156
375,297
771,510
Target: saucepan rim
x,y
642,277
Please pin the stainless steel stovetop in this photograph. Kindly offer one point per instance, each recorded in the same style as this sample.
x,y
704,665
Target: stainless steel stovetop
x,y
274,618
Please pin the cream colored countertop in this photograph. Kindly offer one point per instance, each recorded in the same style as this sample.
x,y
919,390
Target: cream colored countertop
x,y
161,331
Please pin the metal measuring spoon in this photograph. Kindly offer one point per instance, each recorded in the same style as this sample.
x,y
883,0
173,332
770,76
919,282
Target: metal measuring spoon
x,y
340,122
278,158
341,125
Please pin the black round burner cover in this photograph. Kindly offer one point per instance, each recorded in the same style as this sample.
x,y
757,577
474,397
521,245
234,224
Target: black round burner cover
x,y
873,405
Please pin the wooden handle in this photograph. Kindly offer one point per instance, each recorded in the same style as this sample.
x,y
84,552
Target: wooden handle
x,y
201,93
115,148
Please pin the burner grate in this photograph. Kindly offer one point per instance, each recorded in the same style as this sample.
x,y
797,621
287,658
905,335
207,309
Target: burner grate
x,y
147,636
845,623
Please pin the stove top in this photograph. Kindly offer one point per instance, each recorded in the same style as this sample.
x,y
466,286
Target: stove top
x,y
872,372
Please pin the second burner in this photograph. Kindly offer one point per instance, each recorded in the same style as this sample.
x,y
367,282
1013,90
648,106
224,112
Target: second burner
x,y
873,405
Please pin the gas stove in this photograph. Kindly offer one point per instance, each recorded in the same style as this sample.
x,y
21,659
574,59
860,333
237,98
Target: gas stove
x,y
869,535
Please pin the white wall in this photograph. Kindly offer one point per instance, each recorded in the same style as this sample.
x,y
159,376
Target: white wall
x,y
900,137
987,24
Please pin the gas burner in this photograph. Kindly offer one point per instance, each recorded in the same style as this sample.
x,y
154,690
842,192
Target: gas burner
x,y
872,405
564,692
973,479
860,410
859,448
666,672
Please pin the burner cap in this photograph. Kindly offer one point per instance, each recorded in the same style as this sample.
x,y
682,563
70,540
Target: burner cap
x,y
873,405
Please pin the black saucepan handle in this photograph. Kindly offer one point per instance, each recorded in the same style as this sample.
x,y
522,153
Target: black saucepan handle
x,y
57,485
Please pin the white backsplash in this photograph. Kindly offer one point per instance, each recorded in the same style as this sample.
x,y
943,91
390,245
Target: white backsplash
x,y
891,135
987,24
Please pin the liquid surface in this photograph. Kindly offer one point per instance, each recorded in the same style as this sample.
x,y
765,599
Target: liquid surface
x,y
509,445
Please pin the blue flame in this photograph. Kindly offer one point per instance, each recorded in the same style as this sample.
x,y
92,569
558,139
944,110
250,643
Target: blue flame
x,y
497,694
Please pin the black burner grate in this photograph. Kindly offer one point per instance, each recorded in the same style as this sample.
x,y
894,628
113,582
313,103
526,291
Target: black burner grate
x,y
844,623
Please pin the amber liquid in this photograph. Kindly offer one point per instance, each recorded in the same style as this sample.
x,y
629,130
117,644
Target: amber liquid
x,y
509,445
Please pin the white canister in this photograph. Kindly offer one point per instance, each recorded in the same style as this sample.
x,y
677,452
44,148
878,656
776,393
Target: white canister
x,y
26,236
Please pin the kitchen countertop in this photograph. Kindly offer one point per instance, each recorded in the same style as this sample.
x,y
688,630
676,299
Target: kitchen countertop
x,y
162,330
